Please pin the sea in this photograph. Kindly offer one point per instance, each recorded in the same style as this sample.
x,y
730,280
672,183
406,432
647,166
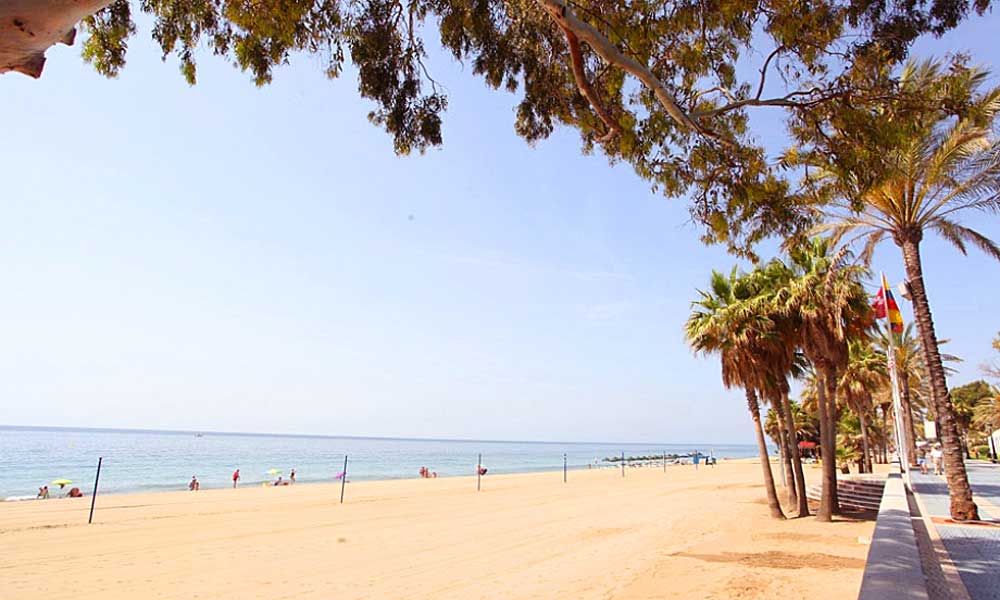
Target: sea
x,y
152,461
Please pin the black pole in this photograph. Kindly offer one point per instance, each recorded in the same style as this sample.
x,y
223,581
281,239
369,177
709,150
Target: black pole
x,y
343,480
623,463
479,472
564,467
93,497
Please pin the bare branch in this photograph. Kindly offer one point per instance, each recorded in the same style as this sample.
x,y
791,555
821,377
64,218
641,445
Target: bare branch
x,y
787,100
763,70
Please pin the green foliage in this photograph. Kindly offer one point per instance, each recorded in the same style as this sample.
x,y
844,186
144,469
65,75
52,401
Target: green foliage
x,y
910,164
108,41
823,51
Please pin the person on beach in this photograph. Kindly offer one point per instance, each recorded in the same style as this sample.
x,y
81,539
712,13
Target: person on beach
x,y
194,485
74,493
481,469
291,476
938,456
278,481
236,478
43,492
423,472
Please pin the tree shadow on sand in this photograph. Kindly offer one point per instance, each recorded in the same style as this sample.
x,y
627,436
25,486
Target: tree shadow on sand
x,y
776,559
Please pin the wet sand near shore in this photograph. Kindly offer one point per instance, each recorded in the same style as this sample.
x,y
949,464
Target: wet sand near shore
x,y
683,534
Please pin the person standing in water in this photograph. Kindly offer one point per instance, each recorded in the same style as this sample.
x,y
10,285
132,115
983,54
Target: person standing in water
x,y
236,478
194,485
291,476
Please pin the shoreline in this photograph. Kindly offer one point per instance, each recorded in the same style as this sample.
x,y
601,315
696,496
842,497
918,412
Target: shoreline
x,y
311,482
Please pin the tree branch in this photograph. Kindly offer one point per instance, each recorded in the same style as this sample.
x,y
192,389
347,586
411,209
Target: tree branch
x,y
560,13
787,100
576,56
763,69
29,27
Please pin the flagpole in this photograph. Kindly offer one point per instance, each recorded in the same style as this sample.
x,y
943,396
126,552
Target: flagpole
x,y
902,450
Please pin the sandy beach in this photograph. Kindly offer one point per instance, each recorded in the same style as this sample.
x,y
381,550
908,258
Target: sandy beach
x,y
683,534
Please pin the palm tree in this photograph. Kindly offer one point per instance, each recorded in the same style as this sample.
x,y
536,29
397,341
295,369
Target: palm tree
x,y
986,415
942,162
781,361
824,299
716,326
864,375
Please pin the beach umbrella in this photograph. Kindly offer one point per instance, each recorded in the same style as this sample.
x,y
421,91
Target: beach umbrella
x,y
62,482
273,471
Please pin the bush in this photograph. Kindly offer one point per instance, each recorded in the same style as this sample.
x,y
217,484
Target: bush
x,y
981,451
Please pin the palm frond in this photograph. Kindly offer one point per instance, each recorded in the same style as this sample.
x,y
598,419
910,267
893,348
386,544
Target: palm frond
x,y
958,235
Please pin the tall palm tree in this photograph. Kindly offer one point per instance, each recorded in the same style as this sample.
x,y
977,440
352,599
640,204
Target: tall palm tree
x,y
941,163
781,361
824,299
717,326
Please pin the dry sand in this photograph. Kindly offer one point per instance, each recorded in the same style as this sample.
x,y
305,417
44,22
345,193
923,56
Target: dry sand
x,y
687,534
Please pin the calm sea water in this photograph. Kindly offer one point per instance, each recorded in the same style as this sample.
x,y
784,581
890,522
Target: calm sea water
x,y
143,461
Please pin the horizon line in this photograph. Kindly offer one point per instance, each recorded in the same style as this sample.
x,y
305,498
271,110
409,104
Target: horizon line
x,y
328,436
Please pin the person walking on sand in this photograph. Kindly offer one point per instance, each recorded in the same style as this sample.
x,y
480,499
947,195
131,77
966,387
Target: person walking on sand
x,y
236,478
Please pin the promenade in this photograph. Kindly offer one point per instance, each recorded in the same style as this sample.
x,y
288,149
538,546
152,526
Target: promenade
x,y
960,560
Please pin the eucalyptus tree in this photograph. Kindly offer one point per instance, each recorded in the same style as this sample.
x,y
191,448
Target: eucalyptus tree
x,y
666,86
718,326
936,158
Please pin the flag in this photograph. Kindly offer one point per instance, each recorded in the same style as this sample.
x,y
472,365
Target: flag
x,y
885,307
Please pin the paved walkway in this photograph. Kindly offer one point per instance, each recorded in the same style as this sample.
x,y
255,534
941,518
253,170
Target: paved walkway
x,y
971,551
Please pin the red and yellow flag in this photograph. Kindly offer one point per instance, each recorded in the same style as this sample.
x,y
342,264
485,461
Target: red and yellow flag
x,y
885,307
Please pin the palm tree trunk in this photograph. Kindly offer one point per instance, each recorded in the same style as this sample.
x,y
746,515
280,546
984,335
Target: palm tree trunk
x,y
765,461
910,433
800,479
786,454
827,439
833,416
864,443
962,506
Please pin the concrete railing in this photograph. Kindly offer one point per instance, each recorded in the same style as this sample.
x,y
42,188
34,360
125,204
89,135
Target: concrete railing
x,y
893,568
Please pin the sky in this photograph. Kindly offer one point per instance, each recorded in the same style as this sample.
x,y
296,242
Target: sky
x,y
228,258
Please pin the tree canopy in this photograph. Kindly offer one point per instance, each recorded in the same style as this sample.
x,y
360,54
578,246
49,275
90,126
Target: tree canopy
x,y
652,83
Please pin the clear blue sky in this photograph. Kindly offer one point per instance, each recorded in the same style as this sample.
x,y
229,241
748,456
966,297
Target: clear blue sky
x,y
230,258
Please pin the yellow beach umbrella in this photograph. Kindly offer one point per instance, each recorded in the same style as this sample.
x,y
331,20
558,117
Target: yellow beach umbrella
x,y
62,482
273,472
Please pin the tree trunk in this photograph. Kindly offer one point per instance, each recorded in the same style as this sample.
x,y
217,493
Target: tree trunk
x,y
29,27
765,460
962,506
911,434
800,479
833,418
788,475
864,444
827,439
